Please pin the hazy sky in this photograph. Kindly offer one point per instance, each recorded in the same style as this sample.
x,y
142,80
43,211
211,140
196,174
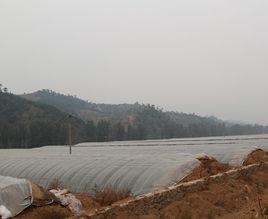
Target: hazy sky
x,y
209,57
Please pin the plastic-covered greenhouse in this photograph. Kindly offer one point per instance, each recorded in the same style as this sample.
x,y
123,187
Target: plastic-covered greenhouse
x,y
141,166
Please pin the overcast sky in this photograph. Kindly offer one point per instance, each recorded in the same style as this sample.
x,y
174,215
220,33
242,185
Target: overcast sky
x,y
208,57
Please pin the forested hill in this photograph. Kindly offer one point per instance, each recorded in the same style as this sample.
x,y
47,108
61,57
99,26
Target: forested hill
x,y
138,121
42,118
85,110
89,111
27,124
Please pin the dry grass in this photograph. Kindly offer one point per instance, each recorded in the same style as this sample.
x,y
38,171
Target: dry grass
x,y
185,215
55,184
110,195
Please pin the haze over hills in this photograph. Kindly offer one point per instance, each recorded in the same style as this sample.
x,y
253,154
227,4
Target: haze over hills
x,y
139,121
82,109
42,118
87,111
126,113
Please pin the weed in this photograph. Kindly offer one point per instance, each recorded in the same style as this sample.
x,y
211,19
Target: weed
x,y
55,184
211,215
110,195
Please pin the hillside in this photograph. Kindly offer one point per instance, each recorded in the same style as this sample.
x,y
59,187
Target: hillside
x,y
42,118
114,112
139,121
82,109
28,124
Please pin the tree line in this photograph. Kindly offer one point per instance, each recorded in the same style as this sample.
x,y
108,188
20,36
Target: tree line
x,y
151,123
26,124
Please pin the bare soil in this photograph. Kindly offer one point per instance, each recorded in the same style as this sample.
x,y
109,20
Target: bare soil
x,y
208,167
245,197
256,156
53,211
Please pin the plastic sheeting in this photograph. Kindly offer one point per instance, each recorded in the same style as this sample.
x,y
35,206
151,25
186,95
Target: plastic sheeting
x,y
79,173
15,195
229,149
141,166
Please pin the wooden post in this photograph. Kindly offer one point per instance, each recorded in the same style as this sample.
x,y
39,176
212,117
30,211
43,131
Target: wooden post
x,y
70,138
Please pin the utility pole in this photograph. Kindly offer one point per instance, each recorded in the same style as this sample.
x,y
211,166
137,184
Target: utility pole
x,y
70,138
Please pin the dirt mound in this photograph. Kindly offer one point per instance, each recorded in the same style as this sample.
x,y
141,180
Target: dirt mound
x,y
255,157
208,167
244,197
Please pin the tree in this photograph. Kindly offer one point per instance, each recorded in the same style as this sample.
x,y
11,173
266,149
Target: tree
x,y
103,127
119,132
91,131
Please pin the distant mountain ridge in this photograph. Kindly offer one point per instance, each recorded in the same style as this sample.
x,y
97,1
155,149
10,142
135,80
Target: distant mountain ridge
x,y
146,118
91,111
83,109
44,117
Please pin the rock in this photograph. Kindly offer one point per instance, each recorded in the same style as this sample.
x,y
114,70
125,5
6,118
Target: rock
x,y
68,200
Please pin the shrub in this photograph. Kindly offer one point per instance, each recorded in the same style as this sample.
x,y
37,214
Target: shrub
x,y
110,195
55,184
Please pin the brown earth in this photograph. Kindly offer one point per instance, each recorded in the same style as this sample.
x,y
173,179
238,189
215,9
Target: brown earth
x,y
208,167
245,197
256,156
53,211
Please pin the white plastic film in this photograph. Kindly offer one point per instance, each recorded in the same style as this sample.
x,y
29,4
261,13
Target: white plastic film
x,y
141,166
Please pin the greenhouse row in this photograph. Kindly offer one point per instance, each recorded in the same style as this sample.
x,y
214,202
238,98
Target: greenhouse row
x,y
140,166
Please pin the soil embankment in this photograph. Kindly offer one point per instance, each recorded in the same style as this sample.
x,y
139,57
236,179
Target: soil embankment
x,y
208,167
245,197
242,196
255,157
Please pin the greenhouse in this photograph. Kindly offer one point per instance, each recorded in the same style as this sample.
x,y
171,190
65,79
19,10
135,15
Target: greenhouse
x,y
140,166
